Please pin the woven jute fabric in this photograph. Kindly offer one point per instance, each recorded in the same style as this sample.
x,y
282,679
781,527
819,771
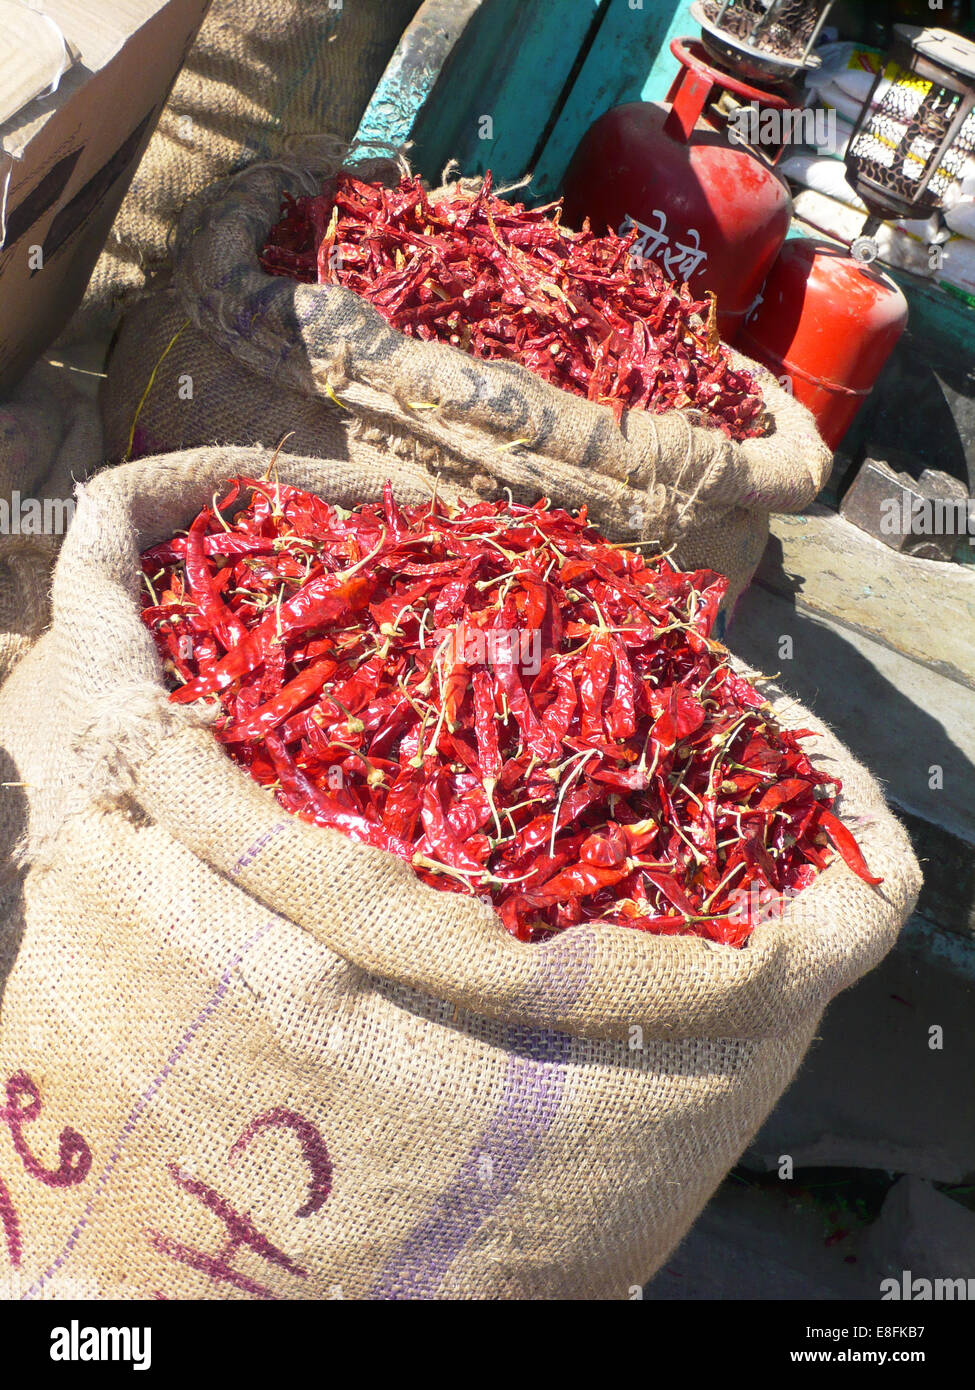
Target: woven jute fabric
x,y
50,438
260,73
275,1064
228,354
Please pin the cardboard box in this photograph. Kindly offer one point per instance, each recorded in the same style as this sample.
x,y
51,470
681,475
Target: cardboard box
x,y
68,156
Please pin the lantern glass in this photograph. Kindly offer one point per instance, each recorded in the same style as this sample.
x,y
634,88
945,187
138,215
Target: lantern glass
x,y
916,130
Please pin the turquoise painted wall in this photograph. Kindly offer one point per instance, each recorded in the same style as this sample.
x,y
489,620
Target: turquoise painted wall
x,y
523,83
629,61
661,74
503,84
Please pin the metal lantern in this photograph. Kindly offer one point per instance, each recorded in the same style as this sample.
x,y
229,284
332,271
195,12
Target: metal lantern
x,y
762,39
913,136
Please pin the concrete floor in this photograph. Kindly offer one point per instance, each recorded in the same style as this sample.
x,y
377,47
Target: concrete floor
x,y
829,1234
760,1243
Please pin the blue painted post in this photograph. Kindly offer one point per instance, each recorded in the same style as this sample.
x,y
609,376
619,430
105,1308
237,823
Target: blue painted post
x,y
661,74
630,44
478,81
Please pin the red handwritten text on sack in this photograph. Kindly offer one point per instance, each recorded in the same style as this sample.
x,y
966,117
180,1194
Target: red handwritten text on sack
x,y
241,1230
313,1151
22,1108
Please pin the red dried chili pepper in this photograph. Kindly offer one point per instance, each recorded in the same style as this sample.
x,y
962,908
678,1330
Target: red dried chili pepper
x,y
268,716
847,845
507,283
370,669
218,618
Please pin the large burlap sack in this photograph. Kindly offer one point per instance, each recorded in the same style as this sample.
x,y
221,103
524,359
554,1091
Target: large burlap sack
x,y
229,354
50,438
259,73
247,1057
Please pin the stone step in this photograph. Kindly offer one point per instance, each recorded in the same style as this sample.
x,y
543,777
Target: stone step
x,y
910,724
920,608
873,1092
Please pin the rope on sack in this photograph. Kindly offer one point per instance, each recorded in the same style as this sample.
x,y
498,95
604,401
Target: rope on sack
x,y
689,499
792,419
652,493
450,173
451,177
110,745
331,150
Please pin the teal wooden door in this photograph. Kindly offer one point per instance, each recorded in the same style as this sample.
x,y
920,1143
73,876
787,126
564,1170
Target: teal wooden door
x,y
520,82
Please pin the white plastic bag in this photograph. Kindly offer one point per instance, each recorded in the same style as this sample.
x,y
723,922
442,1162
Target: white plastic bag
x,y
823,175
849,66
898,246
960,209
957,265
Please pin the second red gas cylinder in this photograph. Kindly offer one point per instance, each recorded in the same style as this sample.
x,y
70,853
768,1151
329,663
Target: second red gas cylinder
x,y
828,324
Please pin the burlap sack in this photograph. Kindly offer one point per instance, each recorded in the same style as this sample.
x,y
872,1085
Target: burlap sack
x,y
229,354
50,438
260,72
276,1065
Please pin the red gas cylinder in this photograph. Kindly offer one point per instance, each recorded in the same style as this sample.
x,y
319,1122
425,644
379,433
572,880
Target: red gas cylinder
x,y
828,323
708,211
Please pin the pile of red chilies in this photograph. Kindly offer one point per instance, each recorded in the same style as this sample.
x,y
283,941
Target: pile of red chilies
x,y
516,707
505,282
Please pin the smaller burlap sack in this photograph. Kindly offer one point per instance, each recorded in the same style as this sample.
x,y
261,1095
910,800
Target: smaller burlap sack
x,y
229,354
259,73
246,1057
50,438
